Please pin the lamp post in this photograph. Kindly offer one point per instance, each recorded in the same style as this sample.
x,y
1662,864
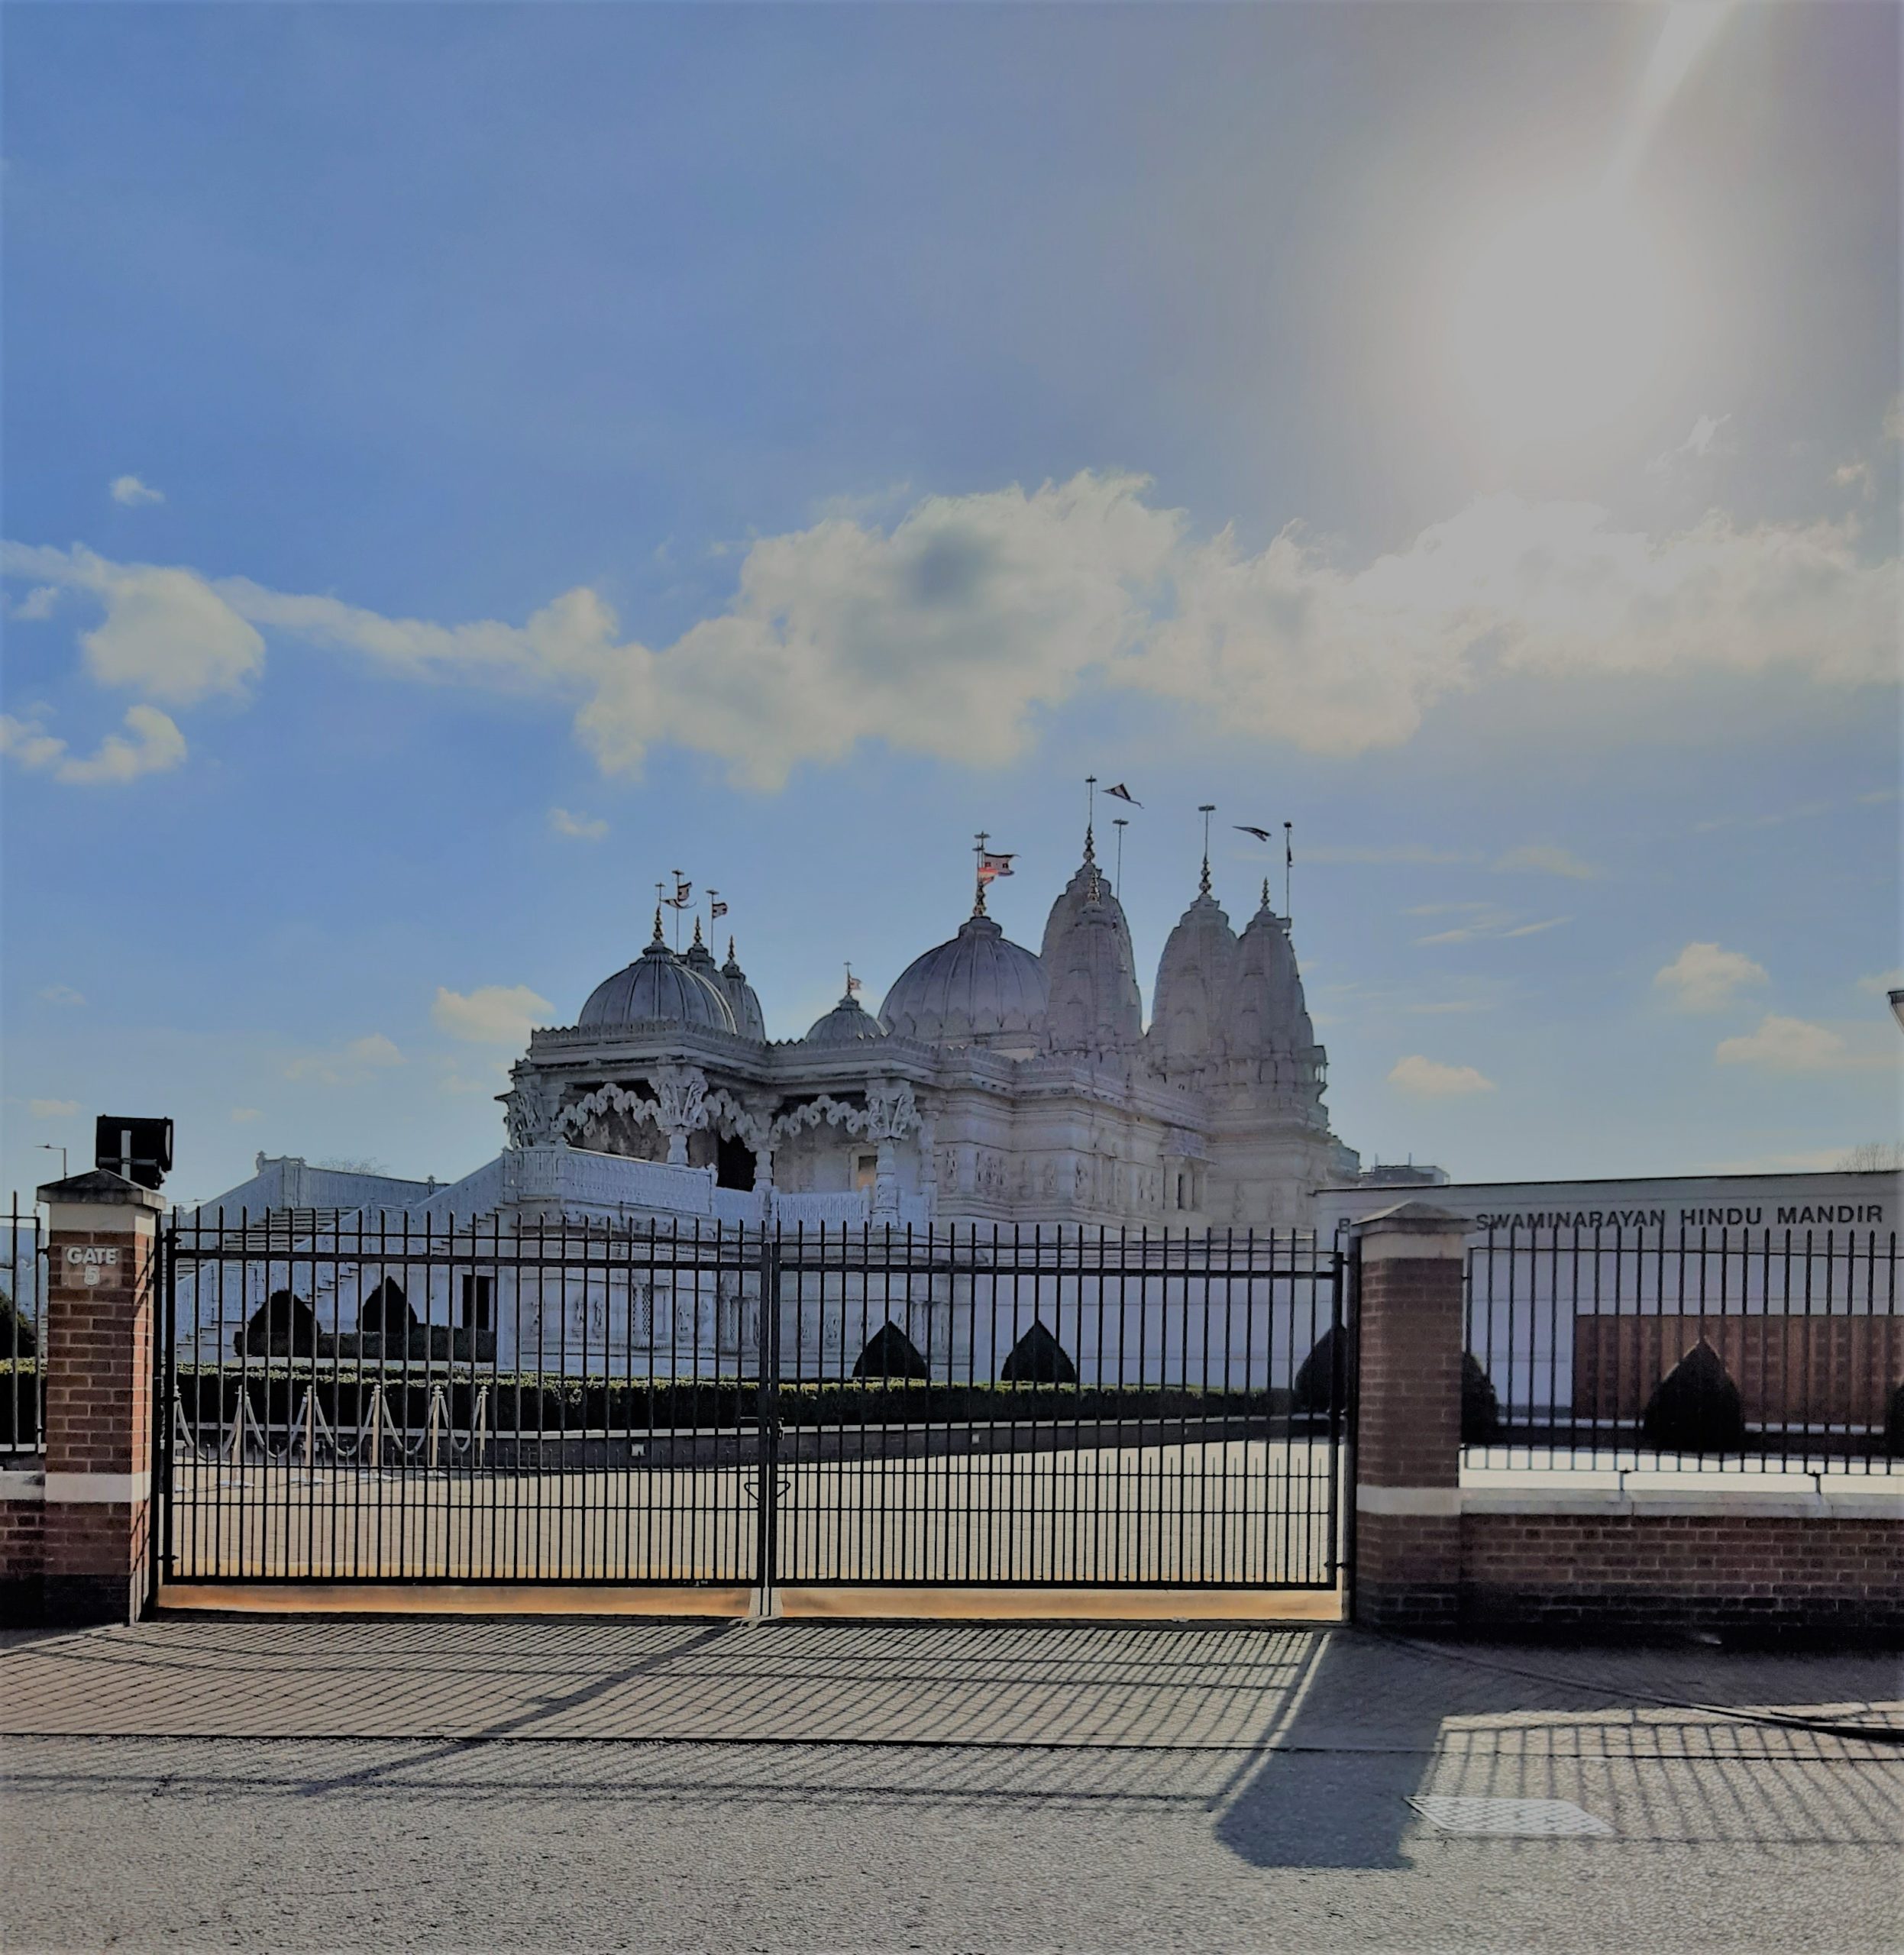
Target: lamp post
x,y
53,1147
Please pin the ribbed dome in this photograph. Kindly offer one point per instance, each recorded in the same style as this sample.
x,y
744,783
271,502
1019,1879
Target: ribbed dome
x,y
1270,1014
1090,968
1196,982
660,987
846,1024
749,1020
980,989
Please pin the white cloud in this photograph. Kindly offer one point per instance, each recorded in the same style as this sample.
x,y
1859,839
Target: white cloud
x,y
244,1114
156,745
1855,475
1403,852
38,603
52,1110
1704,440
1495,923
166,632
1429,1079
1882,983
948,633
577,827
1777,820
61,994
1797,1045
1704,977
491,1015
130,492
1546,860
348,1064
1802,1161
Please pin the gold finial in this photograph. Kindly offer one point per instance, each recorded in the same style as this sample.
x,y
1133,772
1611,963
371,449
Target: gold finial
x,y
1205,809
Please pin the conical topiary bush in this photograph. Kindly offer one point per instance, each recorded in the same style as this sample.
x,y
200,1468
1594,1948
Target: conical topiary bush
x,y
385,1313
1038,1358
1322,1383
890,1353
282,1326
1480,1406
1695,1407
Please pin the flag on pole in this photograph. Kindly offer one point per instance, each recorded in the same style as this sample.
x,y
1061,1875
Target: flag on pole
x,y
992,865
683,890
853,985
1121,792
716,909
1261,834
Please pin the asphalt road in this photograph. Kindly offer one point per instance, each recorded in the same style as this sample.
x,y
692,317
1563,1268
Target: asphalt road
x,y
1218,1790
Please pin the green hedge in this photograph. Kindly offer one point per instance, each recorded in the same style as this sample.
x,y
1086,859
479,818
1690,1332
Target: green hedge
x,y
540,1402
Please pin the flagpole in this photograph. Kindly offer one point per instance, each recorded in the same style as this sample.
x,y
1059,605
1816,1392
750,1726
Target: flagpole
x,y
1206,809
1288,861
1117,886
978,877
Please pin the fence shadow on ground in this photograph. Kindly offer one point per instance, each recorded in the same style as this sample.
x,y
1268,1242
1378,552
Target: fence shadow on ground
x,y
1301,1746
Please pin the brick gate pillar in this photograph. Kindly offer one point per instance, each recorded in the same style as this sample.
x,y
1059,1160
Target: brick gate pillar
x,y
1407,1542
102,1244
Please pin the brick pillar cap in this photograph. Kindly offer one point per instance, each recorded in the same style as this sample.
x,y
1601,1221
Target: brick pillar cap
x,y
101,1186
1416,1218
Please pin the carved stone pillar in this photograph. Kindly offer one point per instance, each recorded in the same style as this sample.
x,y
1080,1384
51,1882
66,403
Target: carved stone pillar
x,y
682,1093
890,1113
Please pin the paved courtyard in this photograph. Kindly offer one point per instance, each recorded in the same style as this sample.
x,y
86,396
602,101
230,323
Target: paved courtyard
x,y
519,1783
1237,1511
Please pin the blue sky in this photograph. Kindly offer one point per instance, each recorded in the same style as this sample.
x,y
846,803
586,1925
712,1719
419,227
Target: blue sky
x,y
785,441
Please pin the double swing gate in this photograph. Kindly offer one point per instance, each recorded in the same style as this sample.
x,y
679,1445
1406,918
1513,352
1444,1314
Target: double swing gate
x,y
343,1398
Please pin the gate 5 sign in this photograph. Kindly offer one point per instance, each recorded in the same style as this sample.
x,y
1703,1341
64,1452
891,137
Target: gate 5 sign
x,y
90,1262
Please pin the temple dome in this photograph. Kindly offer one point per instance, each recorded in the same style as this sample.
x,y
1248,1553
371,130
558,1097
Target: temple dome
x,y
1270,1014
1090,968
980,988
749,1020
1196,986
846,1024
660,988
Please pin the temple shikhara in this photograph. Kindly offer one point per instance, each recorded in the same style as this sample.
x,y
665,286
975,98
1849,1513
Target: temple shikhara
x,y
994,1084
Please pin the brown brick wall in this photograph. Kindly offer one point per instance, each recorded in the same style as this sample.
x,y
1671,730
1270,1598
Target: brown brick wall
x,y
1625,1573
1409,1427
98,1358
98,1400
1840,1369
22,1560
1405,1572
22,1539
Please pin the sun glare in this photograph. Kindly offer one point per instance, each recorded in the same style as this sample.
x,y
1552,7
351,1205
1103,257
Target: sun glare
x,y
1562,318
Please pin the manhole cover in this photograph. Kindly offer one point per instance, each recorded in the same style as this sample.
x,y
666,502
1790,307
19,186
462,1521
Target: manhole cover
x,y
1509,1819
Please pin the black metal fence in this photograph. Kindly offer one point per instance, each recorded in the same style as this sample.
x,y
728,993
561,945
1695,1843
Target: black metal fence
x,y
23,1280
1758,1350
344,1397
